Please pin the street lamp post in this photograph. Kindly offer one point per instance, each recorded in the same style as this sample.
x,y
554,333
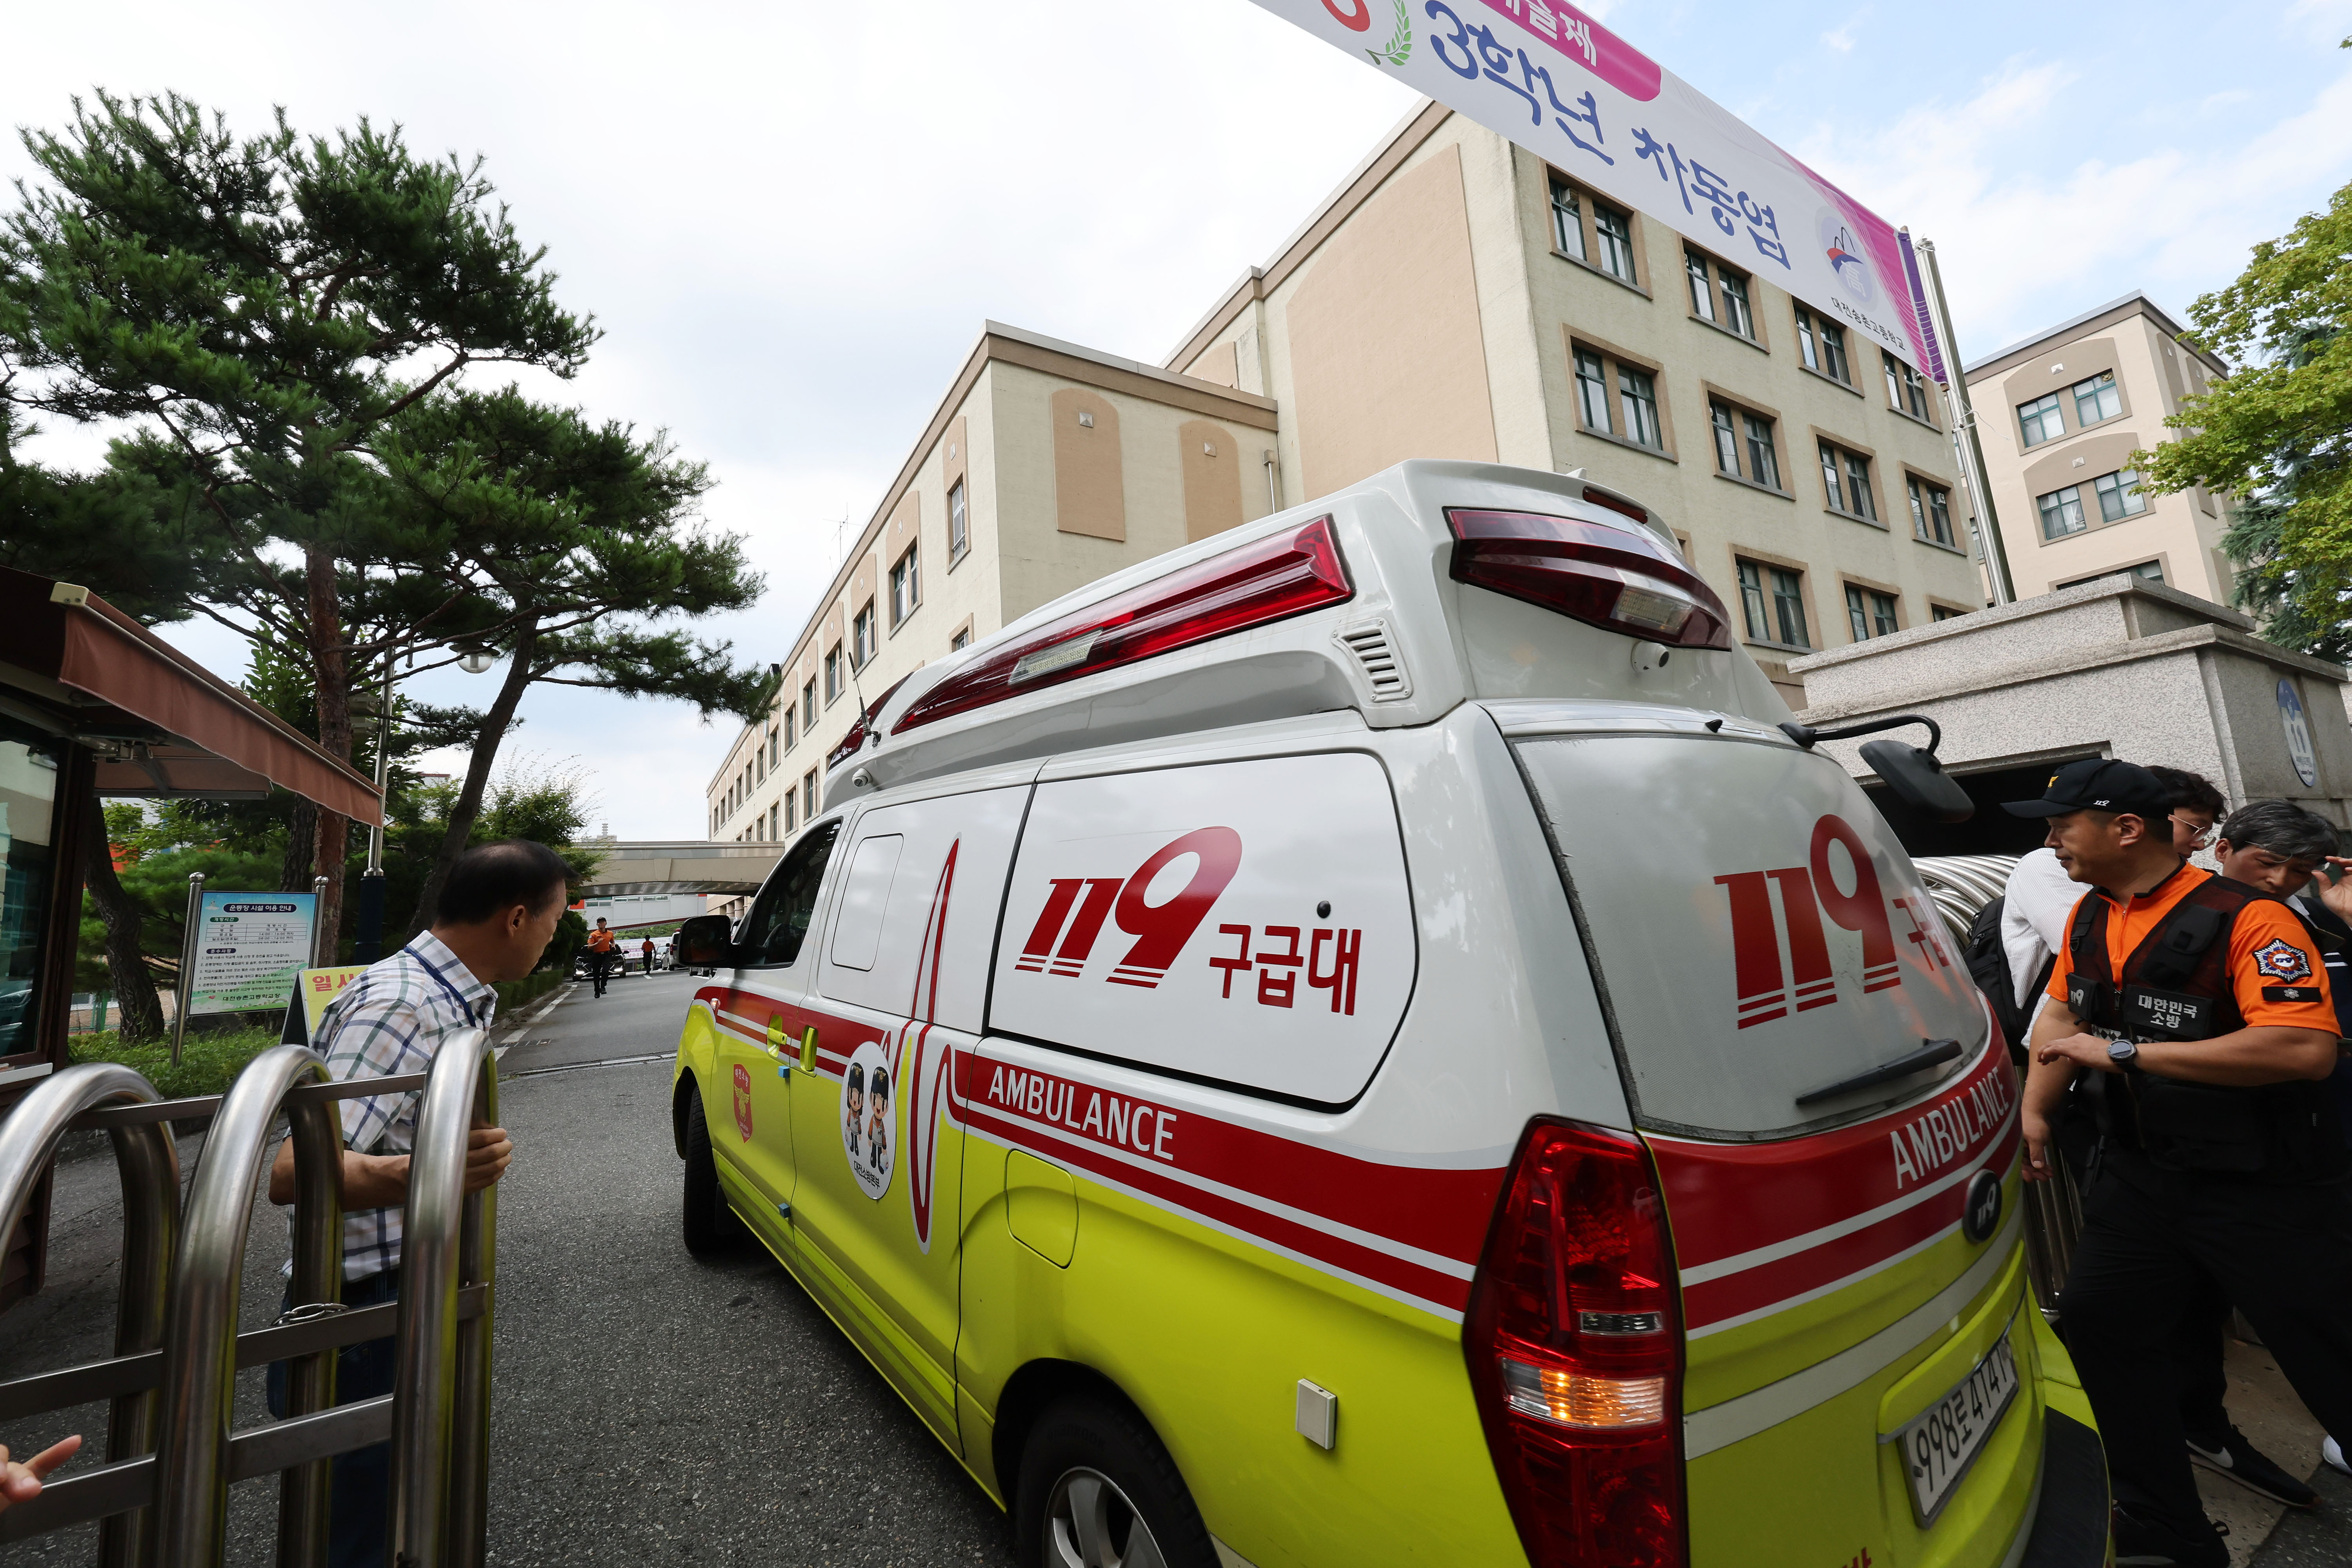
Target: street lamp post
x,y
367,943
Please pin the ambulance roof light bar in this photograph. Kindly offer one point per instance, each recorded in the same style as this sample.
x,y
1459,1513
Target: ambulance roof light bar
x,y
1618,579
1251,585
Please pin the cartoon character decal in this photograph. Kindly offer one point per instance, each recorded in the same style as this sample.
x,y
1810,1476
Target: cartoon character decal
x,y
867,1136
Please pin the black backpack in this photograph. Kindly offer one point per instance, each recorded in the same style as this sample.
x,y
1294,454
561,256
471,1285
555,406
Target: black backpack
x,y
1987,963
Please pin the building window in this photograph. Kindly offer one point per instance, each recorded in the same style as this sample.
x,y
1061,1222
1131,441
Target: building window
x,y
1822,346
791,739
1641,395
775,821
962,639
2061,512
2119,496
2039,420
760,761
1702,288
1615,231
1593,391
905,587
1719,295
1566,221
1737,430
1906,388
808,706
1869,612
2097,399
808,795
1845,480
775,743
1763,459
1931,511
861,637
959,524
1945,612
2146,570
1738,314
1774,600
833,673
791,811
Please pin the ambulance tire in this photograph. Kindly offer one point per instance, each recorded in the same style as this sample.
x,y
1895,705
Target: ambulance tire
x,y
1088,1440
711,1226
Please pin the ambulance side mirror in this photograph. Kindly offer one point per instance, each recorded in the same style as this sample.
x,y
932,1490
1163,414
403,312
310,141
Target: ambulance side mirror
x,y
706,942
1917,779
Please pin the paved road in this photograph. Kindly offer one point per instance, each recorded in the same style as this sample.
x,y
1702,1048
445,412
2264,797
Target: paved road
x,y
649,1409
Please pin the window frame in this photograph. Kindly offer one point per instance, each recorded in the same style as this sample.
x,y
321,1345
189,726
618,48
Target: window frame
x,y
1616,240
2123,492
809,847
2112,390
1641,405
2055,416
1776,600
834,663
1839,459
1592,389
1616,368
1563,186
906,585
958,522
864,636
1745,419
1822,348
808,706
2043,509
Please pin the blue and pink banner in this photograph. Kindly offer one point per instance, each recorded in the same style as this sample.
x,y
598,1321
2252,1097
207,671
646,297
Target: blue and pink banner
x,y
1567,88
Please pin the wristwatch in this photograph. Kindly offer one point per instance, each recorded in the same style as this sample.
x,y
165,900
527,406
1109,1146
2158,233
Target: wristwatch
x,y
2124,1053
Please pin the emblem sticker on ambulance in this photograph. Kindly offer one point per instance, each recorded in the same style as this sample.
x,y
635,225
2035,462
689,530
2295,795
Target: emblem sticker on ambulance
x,y
1243,922
2281,960
868,1136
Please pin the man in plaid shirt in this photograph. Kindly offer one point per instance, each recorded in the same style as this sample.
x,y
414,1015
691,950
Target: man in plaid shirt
x,y
497,913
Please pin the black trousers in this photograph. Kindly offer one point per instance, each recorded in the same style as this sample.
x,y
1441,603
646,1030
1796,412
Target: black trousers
x,y
2155,1244
358,1516
600,969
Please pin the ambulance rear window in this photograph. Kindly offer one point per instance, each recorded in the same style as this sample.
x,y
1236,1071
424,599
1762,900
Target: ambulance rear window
x,y
1762,934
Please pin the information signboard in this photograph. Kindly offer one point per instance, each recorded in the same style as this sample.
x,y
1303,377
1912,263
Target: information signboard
x,y
1567,88
249,947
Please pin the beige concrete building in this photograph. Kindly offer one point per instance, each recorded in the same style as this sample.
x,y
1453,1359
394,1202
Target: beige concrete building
x,y
1455,298
1045,467
2060,415
1459,298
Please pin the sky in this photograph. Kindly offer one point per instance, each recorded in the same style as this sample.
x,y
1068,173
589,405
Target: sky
x,y
791,219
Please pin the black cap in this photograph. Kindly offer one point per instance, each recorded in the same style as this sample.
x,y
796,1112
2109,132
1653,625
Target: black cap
x,y
2099,784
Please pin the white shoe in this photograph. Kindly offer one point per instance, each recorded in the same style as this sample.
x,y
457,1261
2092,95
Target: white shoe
x,y
2331,1451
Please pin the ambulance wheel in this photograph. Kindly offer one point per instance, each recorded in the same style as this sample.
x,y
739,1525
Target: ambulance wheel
x,y
1097,1490
711,1226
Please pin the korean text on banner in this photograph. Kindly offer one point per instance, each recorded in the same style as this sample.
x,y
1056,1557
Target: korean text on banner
x,y
250,948
319,986
1578,95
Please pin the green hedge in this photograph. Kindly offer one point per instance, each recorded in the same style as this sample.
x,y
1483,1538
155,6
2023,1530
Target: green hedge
x,y
208,1061
516,995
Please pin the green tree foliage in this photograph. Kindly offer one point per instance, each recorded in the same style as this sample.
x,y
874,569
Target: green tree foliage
x,y
254,310
585,538
2278,433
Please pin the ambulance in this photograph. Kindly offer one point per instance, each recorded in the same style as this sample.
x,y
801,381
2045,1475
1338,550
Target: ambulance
x,y
1370,1040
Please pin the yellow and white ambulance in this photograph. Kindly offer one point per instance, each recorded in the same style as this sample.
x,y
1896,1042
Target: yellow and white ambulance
x,y
1362,1041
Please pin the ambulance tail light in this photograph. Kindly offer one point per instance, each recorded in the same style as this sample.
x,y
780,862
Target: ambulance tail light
x,y
1574,1338
1619,578
1251,585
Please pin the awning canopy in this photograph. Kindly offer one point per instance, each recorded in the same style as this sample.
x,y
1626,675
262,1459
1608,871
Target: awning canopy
x,y
162,724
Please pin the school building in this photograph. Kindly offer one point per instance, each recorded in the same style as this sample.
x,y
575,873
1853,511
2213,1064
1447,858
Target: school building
x,y
1454,297
2060,415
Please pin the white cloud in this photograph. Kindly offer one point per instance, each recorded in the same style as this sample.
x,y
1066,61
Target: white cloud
x,y
1840,39
2027,237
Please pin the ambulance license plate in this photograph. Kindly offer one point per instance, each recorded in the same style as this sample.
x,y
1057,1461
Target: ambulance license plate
x,y
1938,1447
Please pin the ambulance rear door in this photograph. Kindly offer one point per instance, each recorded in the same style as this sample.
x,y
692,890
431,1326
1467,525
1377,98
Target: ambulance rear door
x,y
1834,1121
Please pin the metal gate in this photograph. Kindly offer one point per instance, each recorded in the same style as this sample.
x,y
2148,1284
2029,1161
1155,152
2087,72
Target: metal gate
x,y
171,1456
1961,885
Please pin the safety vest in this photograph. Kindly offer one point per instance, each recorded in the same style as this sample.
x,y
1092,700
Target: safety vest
x,y
2175,985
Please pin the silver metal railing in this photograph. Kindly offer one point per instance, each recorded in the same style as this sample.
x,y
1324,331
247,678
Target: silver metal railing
x,y
1961,886
172,1456
149,1164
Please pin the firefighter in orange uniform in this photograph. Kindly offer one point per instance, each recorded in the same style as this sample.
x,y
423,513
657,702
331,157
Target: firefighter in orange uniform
x,y
2199,1012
